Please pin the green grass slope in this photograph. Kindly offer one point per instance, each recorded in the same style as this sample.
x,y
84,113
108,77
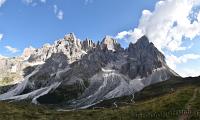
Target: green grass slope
x,y
175,99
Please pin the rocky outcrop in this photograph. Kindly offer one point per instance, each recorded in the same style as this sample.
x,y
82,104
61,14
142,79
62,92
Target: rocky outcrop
x,y
11,70
87,45
110,44
81,74
143,58
28,52
69,45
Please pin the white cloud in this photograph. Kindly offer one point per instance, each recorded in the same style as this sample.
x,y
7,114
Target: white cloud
x,y
168,24
2,2
186,72
60,15
11,49
33,3
123,34
1,56
58,12
130,35
172,60
1,37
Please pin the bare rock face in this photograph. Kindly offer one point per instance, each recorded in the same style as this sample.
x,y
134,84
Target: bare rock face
x,y
28,52
143,58
70,46
81,74
87,45
11,70
110,44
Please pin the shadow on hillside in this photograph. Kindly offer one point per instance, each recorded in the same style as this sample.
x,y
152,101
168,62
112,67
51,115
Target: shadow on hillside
x,y
42,72
168,86
153,91
82,69
4,89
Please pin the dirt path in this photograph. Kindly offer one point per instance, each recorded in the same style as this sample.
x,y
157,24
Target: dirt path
x,y
188,106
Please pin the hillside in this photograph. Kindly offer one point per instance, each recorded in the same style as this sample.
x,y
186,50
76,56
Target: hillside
x,y
165,100
80,73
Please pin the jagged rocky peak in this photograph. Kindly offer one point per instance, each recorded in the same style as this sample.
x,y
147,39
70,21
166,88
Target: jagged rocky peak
x,y
72,73
142,46
143,41
69,45
88,45
143,58
69,40
110,43
70,37
27,52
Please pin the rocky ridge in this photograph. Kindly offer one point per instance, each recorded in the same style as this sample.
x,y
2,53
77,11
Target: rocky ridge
x,y
80,74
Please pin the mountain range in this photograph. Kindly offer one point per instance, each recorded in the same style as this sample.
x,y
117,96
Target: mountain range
x,y
78,74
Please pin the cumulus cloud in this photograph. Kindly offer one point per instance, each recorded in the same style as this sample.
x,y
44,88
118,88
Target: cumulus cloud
x,y
58,12
125,35
1,37
168,24
2,2
185,72
11,49
130,36
172,60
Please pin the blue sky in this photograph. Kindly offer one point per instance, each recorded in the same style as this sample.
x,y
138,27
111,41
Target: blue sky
x,y
172,25
26,24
